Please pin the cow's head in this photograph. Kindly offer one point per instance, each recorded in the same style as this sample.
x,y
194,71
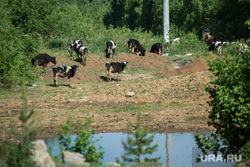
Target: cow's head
x,y
74,67
142,52
124,64
53,60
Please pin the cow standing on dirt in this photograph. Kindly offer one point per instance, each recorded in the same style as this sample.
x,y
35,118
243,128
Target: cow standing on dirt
x,y
156,48
43,60
114,68
110,49
81,50
64,71
135,46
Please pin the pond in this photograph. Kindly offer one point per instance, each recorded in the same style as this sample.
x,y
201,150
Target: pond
x,y
175,149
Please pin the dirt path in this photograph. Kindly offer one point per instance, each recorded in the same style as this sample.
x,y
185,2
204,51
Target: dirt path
x,y
171,100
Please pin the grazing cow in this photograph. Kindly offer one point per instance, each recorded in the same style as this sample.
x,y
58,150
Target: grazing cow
x,y
207,36
115,68
43,60
215,46
135,46
156,48
64,71
78,47
110,48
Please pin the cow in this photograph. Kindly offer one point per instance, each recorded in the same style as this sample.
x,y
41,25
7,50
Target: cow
x,y
43,60
81,50
215,46
110,48
114,67
207,36
156,48
135,46
64,71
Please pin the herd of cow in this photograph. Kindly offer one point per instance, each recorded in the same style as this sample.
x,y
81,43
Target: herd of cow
x,y
82,53
112,67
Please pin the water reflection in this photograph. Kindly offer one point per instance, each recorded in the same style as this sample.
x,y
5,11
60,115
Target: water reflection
x,y
175,149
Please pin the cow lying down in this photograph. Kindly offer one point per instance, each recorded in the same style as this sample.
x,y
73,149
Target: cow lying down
x,y
64,71
114,68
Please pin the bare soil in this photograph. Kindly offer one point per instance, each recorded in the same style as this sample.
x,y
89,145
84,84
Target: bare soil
x,y
170,99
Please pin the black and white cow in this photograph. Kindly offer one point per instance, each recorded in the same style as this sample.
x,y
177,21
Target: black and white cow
x,y
81,50
64,71
135,46
43,60
114,67
156,48
215,46
110,49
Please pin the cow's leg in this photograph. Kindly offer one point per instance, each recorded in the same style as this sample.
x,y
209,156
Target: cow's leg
x,y
113,53
69,81
107,72
55,79
117,76
160,51
133,50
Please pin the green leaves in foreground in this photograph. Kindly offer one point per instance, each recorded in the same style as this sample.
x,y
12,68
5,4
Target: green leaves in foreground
x,y
230,102
83,143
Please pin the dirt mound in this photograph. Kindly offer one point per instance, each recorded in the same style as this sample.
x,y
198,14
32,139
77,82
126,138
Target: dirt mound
x,y
196,65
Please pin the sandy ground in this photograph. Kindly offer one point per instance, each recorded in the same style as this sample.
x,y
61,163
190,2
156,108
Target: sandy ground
x,y
170,99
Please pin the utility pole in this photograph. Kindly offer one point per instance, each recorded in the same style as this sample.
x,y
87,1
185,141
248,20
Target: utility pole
x,y
166,20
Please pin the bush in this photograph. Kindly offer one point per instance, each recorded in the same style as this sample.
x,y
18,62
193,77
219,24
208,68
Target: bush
x,y
16,50
230,102
83,142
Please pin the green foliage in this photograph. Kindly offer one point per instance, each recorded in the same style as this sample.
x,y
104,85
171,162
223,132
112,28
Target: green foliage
x,y
245,151
83,143
31,16
230,102
16,50
18,154
138,143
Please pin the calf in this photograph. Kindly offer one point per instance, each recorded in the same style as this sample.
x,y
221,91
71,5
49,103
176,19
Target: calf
x,y
215,46
43,60
110,48
135,46
78,47
115,68
64,71
156,48
207,36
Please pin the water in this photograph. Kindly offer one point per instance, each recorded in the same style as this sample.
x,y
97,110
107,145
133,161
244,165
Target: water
x,y
175,149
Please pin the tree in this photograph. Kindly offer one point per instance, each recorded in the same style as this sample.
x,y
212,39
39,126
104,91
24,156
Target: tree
x,y
230,102
19,154
138,143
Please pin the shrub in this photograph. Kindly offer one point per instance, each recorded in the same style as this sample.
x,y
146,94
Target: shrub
x,y
83,142
230,102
